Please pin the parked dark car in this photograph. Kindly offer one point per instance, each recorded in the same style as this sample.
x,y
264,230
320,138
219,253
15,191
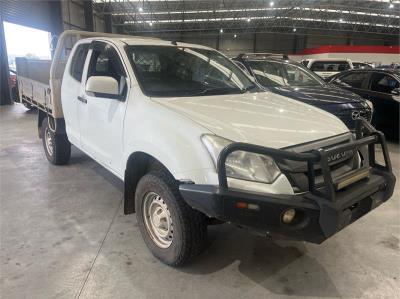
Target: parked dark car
x,y
393,66
382,88
280,75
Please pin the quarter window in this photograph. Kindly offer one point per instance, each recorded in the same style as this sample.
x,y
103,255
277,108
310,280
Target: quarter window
x,y
78,61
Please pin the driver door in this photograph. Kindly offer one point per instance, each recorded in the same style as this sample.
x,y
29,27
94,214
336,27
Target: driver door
x,y
102,116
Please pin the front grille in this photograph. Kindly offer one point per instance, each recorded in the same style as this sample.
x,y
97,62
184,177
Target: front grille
x,y
349,116
297,172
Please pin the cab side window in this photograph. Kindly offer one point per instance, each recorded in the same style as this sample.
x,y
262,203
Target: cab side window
x,y
78,61
106,62
384,83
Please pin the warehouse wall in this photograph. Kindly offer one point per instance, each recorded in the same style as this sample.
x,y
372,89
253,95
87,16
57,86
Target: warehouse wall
x,y
73,16
40,14
274,42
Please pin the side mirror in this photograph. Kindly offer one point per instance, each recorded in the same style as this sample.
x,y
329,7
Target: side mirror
x,y
103,86
396,92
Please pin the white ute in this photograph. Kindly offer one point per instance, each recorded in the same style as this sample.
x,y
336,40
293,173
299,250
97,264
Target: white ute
x,y
197,142
326,67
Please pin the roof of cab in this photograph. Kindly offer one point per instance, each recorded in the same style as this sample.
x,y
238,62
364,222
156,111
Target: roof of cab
x,y
127,39
148,41
329,59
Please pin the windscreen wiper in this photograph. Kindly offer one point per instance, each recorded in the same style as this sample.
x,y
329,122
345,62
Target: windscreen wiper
x,y
248,88
219,90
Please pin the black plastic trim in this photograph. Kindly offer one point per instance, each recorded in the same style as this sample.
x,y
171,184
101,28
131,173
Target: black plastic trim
x,y
321,218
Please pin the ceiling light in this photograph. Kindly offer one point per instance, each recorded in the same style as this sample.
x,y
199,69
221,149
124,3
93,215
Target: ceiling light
x,y
221,30
243,19
260,9
235,36
140,9
391,5
271,3
248,20
340,20
294,29
151,23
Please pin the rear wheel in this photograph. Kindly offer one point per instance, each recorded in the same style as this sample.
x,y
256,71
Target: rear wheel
x,y
56,146
171,229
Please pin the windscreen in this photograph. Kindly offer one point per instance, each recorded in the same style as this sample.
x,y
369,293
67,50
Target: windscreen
x,y
173,71
330,66
360,65
276,73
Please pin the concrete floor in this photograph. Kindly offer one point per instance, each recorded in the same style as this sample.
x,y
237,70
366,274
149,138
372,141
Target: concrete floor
x,y
64,235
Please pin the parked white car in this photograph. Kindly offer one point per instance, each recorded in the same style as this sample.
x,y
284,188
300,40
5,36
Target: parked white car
x,y
326,67
195,140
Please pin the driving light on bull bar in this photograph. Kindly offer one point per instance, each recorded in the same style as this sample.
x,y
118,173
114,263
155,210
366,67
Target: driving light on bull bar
x,y
242,165
288,216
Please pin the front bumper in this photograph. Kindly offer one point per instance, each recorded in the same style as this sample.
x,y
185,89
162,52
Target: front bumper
x,y
321,211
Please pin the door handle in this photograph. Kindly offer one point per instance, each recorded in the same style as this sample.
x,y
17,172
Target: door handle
x,y
82,99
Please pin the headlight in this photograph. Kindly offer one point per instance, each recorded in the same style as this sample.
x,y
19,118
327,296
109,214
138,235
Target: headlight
x,y
370,105
240,164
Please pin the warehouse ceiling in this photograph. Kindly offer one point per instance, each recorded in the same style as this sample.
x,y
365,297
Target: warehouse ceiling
x,y
213,16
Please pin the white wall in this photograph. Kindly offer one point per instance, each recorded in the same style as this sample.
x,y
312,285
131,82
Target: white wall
x,y
376,58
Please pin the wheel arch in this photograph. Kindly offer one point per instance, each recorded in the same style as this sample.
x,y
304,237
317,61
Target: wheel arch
x,y
41,116
138,164
57,124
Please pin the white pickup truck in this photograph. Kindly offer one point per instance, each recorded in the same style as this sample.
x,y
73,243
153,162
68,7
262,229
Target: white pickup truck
x,y
197,142
327,67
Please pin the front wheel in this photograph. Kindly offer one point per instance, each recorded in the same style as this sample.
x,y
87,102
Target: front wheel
x,y
56,146
171,229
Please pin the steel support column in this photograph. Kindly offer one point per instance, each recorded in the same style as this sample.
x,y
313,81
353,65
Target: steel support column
x,y
295,44
108,18
88,12
5,97
56,26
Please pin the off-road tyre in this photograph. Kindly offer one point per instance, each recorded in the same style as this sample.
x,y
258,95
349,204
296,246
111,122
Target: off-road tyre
x,y
189,226
56,146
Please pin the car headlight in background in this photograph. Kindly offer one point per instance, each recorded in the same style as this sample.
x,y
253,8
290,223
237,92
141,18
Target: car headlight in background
x,y
240,164
370,105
